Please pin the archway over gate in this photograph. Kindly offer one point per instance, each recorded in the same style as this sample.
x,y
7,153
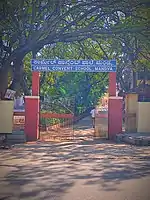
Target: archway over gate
x,y
32,102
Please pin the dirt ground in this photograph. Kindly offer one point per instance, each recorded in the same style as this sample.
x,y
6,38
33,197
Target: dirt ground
x,y
78,170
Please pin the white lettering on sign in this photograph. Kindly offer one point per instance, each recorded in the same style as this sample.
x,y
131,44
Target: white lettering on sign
x,y
74,65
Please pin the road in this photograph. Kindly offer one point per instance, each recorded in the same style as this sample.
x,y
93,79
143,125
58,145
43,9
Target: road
x,y
79,170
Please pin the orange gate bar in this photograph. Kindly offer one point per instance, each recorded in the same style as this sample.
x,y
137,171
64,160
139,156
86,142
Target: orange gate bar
x,y
56,115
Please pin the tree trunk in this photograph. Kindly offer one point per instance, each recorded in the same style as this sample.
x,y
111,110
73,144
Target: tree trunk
x,y
24,86
134,79
3,81
17,76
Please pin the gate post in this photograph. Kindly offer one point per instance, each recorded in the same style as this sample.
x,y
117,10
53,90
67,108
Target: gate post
x,y
35,83
112,84
32,118
114,116
32,106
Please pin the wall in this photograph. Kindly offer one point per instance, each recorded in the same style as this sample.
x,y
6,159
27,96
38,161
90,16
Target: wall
x,y
101,125
131,112
6,116
143,117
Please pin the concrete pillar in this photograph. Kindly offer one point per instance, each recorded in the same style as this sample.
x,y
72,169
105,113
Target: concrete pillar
x,y
112,84
32,118
143,117
35,83
114,116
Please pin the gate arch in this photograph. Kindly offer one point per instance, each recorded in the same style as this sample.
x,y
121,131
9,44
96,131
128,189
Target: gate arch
x,y
33,102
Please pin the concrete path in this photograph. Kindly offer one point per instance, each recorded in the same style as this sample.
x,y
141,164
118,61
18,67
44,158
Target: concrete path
x,y
81,170
83,130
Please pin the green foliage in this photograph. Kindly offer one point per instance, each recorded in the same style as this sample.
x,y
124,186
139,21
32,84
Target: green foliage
x,y
85,88
72,30
50,121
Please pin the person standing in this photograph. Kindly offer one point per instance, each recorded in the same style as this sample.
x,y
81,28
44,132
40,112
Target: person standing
x,y
93,112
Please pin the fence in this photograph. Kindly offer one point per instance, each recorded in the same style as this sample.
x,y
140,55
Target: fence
x,y
56,126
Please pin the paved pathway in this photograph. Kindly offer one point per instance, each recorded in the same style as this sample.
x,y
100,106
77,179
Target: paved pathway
x,y
81,170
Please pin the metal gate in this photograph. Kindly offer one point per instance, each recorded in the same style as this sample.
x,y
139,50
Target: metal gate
x,y
56,119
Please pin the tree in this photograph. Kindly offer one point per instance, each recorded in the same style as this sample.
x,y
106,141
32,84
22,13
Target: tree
x,y
28,25
84,88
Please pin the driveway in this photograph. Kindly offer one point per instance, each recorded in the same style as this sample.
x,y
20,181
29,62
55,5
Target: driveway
x,y
79,170
89,170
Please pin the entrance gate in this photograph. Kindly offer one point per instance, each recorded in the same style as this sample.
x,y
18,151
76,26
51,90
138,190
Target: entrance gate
x,y
56,119
32,102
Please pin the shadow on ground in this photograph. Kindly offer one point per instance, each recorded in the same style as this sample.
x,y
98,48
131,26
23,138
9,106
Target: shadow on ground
x,y
48,170
84,124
